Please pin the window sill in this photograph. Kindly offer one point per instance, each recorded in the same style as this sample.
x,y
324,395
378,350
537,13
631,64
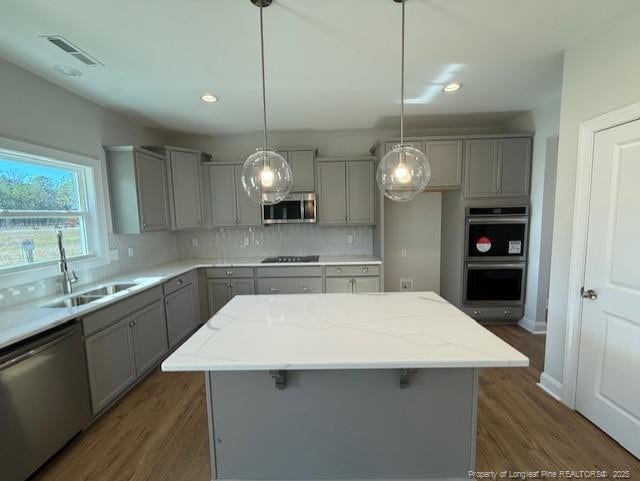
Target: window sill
x,y
15,278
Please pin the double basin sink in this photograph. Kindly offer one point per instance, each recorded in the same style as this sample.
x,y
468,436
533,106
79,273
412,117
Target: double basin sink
x,y
93,295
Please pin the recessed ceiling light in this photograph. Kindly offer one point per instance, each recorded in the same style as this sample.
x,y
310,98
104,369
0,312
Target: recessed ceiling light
x,y
452,87
209,98
68,71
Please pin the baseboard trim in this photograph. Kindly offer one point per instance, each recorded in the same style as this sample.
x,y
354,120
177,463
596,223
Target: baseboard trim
x,y
551,386
533,327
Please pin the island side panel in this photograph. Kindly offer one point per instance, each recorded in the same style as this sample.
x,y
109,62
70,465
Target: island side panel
x,y
345,424
212,450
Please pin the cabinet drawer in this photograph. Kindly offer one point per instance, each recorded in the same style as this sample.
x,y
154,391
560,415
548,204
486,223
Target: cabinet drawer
x,y
292,271
290,285
97,321
229,272
177,282
361,270
494,314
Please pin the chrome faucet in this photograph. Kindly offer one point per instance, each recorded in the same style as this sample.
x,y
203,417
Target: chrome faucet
x,y
68,278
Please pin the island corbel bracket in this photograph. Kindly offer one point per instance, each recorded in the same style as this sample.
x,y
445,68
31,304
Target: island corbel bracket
x,y
405,377
280,378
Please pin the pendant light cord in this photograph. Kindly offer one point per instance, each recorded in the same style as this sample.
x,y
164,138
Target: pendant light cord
x,y
264,90
402,80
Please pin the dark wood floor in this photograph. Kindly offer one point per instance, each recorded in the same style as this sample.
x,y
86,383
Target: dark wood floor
x,y
158,431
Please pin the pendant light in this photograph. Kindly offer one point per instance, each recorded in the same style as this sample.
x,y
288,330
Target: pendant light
x,y
266,175
403,172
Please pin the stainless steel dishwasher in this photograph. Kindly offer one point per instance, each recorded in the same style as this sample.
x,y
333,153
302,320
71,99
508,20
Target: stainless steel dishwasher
x,y
44,399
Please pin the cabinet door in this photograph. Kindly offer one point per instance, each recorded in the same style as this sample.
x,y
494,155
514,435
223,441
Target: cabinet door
x,y
445,157
515,167
223,195
481,166
248,211
151,178
366,284
149,329
339,284
303,168
332,193
219,294
360,196
181,314
185,189
111,363
241,287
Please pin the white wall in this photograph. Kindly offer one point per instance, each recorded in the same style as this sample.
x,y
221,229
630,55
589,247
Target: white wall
x,y
545,122
36,111
601,73
413,226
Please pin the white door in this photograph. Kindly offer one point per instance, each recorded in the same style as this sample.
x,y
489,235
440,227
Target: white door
x,y
609,361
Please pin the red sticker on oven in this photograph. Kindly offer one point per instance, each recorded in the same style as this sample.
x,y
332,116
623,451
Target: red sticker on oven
x,y
483,244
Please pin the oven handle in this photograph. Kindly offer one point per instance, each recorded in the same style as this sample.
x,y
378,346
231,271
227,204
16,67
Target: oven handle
x,y
495,265
497,220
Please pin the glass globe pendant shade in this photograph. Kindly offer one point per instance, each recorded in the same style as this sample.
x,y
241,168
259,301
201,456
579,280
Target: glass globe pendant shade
x,y
403,173
266,177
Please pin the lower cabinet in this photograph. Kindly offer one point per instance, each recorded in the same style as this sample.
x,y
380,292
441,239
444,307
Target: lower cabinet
x,y
124,351
181,314
290,285
352,284
222,291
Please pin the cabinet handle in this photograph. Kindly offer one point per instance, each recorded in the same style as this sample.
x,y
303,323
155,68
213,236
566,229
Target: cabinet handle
x,y
507,312
144,224
229,273
365,269
274,289
180,281
168,302
338,270
305,288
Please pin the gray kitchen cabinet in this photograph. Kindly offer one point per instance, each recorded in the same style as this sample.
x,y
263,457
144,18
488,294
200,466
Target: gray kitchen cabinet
x,y
360,193
497,167
149,333
481,167
110,363
303,167
138,190
332,193
339,285
514,167
222,291
230,204
366,284
181,314
445,158
290,285
346,192
184,188
248,211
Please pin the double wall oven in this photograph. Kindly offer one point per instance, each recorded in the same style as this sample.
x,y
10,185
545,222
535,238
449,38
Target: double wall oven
x,y
495,262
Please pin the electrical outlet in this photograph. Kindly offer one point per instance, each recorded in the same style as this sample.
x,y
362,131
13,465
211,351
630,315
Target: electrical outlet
x,y
194,242
130,251
406,284
403,253
349,238
246,241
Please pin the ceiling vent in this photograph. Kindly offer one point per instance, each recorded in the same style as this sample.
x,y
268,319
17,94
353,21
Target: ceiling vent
x,y
69,48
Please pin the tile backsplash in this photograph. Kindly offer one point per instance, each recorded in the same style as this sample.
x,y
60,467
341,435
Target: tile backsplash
x,y
148,249
276,240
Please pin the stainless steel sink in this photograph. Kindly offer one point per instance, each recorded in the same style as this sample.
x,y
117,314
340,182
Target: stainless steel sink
x,y
92,295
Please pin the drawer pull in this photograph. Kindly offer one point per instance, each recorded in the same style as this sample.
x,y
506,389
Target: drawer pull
x,y
229,273
180,281
338,270
274,289
365,269
305,288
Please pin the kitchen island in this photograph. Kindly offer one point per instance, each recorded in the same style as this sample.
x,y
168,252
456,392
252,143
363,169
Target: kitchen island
x,y
342,386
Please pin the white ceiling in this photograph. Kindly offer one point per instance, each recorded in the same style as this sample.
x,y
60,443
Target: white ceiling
x,y
331,64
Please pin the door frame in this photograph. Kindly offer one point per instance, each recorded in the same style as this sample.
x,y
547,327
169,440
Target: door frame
x,y
587,131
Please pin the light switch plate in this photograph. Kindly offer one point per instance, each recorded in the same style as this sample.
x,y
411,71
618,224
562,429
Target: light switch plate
x,y
349,238
194,242
403,253
406,284
130,251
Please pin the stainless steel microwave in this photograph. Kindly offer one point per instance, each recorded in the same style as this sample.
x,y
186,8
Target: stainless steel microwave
x,y
294,209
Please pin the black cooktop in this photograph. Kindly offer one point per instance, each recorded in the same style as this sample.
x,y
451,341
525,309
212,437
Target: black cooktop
x,y
286,259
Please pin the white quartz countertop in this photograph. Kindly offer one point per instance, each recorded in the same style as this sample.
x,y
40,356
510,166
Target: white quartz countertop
x,y
21,322
341,331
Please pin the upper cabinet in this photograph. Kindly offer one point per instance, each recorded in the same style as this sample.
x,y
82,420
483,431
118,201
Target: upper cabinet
x,y
230,204
185,197
303,168
497,167
346,191
445,159
138,190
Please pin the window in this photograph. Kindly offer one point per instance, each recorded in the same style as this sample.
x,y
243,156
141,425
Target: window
x,y
41,196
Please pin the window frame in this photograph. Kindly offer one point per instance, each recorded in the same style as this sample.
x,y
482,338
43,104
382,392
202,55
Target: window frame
x,y
92,208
